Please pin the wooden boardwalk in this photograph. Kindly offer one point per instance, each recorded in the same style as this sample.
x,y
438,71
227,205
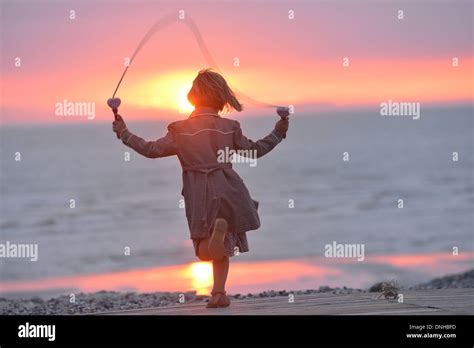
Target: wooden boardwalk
x,y
415,302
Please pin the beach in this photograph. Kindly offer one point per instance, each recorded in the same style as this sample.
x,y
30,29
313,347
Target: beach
x,y
462,286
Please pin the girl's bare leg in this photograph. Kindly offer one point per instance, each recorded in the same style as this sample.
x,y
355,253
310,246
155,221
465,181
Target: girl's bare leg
x,y
203,250
213,249
220,269
220,262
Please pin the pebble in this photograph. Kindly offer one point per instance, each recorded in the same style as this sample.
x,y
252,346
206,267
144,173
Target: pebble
x,y
104,301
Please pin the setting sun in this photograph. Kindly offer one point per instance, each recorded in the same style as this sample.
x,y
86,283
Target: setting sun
x,y
168,91
201,273
184,106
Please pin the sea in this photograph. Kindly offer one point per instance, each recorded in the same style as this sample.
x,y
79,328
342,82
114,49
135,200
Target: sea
x,y
400,187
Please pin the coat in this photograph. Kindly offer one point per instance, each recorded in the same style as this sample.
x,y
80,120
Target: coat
x,y
210,186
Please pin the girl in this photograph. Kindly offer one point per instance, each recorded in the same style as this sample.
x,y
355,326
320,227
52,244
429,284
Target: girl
x,y
219,208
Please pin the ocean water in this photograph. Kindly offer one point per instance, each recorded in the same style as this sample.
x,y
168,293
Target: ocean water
x,y
135,204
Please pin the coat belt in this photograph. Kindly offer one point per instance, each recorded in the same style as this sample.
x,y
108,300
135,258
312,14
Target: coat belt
x,y
206,169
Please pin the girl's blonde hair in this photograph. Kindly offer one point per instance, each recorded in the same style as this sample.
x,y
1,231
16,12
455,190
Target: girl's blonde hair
x,y
211,89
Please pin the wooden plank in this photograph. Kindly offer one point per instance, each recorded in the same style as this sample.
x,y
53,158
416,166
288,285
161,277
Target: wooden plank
x,y
416,302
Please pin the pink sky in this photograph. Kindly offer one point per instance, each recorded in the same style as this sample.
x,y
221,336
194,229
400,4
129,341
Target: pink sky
x,y
282,61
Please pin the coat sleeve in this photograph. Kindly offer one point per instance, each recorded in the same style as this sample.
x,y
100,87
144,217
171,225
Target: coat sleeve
x,y
262,146
163,147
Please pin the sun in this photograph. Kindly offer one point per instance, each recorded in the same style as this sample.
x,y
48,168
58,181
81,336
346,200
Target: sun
x,y
184,106
165,91
201,274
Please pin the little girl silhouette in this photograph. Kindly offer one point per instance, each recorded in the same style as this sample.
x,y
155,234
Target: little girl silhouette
x,y
219,208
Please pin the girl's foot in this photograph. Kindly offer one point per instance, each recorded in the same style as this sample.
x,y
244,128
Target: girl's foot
x,y
219,300
216,242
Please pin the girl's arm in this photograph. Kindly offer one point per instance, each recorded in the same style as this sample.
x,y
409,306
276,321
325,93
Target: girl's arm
x,y
152,149
264,145
162,147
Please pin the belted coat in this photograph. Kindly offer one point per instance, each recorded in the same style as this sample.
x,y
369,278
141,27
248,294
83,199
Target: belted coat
x,y
209,184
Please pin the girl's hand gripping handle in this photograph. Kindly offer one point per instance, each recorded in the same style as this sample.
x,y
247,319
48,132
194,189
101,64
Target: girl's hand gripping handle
x,y
114,103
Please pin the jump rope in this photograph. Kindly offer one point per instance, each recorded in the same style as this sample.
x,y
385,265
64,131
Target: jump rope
x,y
164,22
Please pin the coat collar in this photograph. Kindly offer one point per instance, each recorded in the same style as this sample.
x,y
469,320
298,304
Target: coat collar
x,y
204,111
